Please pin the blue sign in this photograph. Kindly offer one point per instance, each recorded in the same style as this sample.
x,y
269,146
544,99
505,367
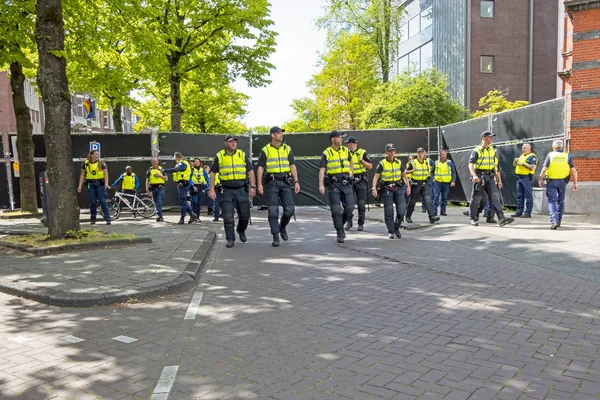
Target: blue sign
x,y
95,146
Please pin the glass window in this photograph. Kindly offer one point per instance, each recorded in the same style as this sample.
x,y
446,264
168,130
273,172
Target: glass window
x,y
487,9
402,64
414,60
427,56
404,33
426,17
413,26
487,64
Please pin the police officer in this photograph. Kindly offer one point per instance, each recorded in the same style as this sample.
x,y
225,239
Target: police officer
x,y
95,174
524,169
130,183
182,175
234,169
444,176
335,173
557,169
483,173
277,159
393,185
155,181
420,170
429,181
485,201
198,188
362,164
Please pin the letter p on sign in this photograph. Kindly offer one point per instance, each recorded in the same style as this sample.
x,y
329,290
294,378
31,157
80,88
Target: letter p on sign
x,y
95,146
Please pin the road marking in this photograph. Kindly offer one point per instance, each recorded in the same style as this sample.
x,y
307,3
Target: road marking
x,y
194,305
165,383
20,339
72,339
124,339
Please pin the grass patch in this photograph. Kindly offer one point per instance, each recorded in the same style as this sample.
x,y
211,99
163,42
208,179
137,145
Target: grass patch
x,y
17,213
72,237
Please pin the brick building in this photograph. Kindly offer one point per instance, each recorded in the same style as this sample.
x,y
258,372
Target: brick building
x,y
482,45
581,77
101,123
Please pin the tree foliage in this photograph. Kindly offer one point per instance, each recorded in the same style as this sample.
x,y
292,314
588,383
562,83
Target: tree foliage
x,y
495,101
221,38
412,100
103,58
307,116
346,82
377,20
18,54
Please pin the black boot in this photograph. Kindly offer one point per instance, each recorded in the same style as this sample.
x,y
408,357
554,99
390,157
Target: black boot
x,y
283,233
275,241
340,236
181,221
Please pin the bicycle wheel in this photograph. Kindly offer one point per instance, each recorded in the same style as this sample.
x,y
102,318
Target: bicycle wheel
x,y
145,207
113,208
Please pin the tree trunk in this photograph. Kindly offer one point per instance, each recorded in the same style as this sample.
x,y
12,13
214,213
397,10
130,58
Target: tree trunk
x,y
176,110
53,84
25,146
117,118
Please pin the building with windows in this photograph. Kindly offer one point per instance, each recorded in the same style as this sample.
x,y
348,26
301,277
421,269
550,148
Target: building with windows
x,y
483,45
101,123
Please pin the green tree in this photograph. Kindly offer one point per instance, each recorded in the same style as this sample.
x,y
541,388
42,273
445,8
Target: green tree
x,y
17,53
223,38
495,101
210,109
346,82
54,86
412,100
102,56
307,116
378,20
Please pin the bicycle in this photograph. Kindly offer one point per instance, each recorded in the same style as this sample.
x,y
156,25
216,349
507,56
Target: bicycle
x,y
143,206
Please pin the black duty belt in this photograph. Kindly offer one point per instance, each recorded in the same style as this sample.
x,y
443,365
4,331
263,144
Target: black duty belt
x,y
158,186
525,176
393,185
485,171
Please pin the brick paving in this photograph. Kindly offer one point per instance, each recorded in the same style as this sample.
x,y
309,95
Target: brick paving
x,y
447,312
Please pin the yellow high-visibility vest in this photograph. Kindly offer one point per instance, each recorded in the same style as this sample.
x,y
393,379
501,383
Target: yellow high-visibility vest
x,y
232,167
391,171
277,158
337,160
559,167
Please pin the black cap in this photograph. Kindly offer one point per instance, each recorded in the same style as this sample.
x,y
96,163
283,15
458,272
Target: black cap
x,y
420,150
335,134
276,129
351,139
390,146
229,138
487,134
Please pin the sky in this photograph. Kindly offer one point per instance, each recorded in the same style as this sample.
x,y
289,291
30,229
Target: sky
x,y
298,44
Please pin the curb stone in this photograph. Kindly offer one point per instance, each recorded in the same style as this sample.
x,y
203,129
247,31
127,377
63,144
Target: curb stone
x,y
40,252
184,281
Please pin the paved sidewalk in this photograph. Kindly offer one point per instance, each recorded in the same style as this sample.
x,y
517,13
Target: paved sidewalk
x,y
107,276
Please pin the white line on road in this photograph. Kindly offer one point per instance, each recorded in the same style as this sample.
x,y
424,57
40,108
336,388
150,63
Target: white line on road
x,y
194,305
165,383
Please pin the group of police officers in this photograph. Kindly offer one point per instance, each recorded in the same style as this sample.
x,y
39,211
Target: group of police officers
x,y
343,175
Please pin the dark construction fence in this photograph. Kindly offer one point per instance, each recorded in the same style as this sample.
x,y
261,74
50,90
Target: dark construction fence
x,y
538,124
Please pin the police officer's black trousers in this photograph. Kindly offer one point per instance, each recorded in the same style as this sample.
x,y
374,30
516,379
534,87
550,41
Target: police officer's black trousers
x,y
340,196
360,191
279,190
486,187
239,199
420,191
389,198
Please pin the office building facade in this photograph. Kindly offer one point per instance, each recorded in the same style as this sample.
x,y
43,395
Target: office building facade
x,y
483,45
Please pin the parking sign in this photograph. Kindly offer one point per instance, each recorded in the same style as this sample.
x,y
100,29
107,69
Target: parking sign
x,y
95,146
